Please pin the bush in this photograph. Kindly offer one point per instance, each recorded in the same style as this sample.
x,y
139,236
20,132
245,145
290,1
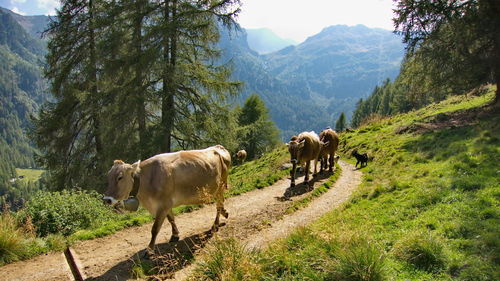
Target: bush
x,y
65,212
468,183
421,250
359,260
227,260
12,245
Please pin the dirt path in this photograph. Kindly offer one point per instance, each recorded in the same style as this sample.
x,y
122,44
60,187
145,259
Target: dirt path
x,y
256,217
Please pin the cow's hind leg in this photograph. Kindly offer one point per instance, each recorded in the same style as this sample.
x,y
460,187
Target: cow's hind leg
x,y
330,158
220,210
160,217
175,231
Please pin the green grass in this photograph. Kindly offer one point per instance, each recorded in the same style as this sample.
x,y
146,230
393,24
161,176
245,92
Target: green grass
x,y
303,202
30,174
427,208
259,173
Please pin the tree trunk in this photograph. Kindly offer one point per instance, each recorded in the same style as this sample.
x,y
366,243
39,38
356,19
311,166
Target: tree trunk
x,y
492,8
94,92
169,57
139,79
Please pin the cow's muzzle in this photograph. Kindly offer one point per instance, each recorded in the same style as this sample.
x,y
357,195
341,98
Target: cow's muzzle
x,y
108,200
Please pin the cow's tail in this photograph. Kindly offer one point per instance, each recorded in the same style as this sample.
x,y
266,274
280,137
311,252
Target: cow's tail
x,y
225,164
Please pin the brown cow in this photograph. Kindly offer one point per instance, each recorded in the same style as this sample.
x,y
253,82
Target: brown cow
x,y
241,156
171,179
329,144
303,148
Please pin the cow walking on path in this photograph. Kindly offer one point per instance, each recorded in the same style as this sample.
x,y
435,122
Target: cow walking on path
x,y
303,148
329,144
168,180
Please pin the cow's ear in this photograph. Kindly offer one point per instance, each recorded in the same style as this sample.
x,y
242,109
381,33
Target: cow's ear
x,y
301,143
325,144
135,168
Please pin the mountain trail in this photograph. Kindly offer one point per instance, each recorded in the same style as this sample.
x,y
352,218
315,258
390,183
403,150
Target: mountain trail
x,y
255,218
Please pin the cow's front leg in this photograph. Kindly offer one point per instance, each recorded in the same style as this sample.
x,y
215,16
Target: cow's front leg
x,y
306,178
175,231
292,174
160,217
330,158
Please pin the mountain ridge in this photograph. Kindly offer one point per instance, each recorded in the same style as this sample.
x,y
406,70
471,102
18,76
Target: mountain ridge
x,y
264,40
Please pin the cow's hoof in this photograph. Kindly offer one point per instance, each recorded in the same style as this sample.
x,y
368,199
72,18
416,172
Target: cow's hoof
x,y
173,239
215,228
225,214
148,254
292,184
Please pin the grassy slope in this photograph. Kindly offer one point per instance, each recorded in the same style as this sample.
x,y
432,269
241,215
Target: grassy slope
x,y
30,174
427,208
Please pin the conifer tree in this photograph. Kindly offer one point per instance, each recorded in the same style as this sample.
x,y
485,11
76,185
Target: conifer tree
x,y
131,79
258,133
191,83
341,123
69,130
457,41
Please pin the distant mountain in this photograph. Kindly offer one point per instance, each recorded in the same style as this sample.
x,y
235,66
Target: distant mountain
x,y
22,87
34,25
264,41
307,86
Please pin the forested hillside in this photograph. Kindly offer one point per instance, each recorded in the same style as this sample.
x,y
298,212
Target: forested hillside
x,y
22,91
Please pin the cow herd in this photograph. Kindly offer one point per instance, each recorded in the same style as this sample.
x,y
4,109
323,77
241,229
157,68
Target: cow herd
x,y
308,146
167,180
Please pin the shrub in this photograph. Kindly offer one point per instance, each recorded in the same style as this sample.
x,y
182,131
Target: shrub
x,y
227,260
360,259
65,212
11,239
468,183
421,250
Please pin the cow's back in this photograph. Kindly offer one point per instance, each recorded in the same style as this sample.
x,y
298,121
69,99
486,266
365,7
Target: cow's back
x,y
311,147
332,138
184,177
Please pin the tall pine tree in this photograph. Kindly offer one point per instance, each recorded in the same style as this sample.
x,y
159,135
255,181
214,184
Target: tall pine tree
x,y
457,41
69,130
257,134
131,79
341,123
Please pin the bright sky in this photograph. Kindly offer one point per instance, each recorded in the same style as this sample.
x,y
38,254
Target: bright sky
x,y
289,19
31,7
299,19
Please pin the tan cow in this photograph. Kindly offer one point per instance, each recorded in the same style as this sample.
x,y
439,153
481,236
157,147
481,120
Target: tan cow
x,y
168,180
303,148
329,144
241,156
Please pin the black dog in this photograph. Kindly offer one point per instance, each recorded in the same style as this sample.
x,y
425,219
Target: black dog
x,y
361,158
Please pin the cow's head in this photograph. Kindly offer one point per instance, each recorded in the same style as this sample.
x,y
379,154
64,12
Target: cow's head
x,y
294,147
120,181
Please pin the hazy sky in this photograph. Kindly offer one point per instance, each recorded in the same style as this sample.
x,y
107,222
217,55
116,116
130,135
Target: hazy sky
x,y
291,19
299,19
